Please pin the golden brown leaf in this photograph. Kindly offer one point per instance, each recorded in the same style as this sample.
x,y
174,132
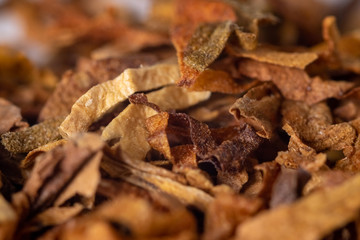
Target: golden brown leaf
x,y
314,126
310,90
33,137
286,59
259,107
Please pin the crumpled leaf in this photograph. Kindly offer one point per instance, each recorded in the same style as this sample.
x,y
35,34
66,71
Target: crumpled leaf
x,y
310,90
10,117
227,150
314,126
350,162
66,175
312,217
259,107
131,217
101,98
129,125
339,52
300,155
32,137
226,212
199,39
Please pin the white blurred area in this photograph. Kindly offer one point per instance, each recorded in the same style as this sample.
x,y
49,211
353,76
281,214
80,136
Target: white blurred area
x,y
12,31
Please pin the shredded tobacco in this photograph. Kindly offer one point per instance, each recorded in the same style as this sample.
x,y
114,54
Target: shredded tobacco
x,y
202,119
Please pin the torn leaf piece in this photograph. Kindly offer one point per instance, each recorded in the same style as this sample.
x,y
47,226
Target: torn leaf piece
x,y
206,44
314,126
33,137
88,73
129,125
231,157
10,116
259,107
266,55
310,90
300,155
101,98
312,217
63,173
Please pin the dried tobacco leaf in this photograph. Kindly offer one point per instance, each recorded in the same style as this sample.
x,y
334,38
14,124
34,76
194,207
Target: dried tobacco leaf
x,y
300,155
155,179
199,40
64,178
8,219
259,107
70,88
32,137
29,160
206,44
129,125
340,52
219,81
10,117
312,217
310,90
131,217
101,98
288,186
314,126
226,212
266,55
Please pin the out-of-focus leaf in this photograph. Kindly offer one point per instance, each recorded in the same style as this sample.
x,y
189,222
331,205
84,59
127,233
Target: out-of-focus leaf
x,y
65,176
226,212
10,116
312,217
131,217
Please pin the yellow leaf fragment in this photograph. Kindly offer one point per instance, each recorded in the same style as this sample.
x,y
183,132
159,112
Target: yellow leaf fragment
x,y
103,97
312,217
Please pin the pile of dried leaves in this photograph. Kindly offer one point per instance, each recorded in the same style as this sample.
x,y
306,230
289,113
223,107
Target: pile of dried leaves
x,y
213,119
